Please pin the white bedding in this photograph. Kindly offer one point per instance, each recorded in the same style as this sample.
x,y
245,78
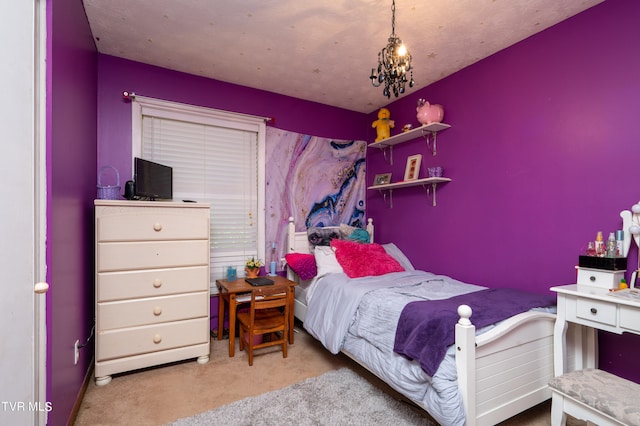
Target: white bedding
x,y
359,316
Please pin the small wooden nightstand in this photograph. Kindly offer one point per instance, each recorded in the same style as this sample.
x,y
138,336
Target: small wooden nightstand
x,y
236,292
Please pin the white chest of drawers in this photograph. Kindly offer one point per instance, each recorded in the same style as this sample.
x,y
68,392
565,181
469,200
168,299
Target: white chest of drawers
x,y
152,284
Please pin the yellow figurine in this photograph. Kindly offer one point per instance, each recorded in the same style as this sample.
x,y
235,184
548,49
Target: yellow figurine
x,y
383,124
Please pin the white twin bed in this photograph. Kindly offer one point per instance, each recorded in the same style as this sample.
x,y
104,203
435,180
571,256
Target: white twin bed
x,y
482,379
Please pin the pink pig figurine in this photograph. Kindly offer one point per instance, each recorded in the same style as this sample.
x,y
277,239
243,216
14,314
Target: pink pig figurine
x,y
428,113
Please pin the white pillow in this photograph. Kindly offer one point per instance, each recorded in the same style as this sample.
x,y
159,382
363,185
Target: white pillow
x,y
398,255
326,261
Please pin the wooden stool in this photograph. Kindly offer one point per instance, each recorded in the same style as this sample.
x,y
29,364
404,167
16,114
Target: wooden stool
x,y
594,395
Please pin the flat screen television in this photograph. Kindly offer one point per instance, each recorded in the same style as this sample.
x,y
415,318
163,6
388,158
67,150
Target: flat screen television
x,y
152,181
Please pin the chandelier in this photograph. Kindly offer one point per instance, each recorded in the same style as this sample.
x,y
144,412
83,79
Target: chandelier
x,y
394,61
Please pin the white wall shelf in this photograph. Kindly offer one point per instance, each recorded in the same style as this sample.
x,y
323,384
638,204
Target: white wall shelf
x,y
430,185
424,131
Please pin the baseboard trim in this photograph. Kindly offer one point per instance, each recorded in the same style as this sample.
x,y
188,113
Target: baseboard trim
x,y
83,389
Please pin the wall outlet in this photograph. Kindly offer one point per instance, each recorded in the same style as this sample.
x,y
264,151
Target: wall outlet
x,y
76,352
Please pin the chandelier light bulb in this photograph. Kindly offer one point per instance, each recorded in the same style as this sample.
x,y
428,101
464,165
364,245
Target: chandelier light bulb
x,y
636,208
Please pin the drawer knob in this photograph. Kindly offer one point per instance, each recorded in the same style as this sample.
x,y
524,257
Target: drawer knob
x,y
157,226
157,338
594,311
157,311
592,278
157,283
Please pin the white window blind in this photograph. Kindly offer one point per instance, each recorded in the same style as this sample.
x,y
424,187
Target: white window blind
x,y
216,158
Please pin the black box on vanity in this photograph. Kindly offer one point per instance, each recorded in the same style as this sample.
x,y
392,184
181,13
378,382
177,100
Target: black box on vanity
x,y
606,263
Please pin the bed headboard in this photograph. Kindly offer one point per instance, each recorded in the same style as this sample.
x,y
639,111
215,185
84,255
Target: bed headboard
x,y
297,242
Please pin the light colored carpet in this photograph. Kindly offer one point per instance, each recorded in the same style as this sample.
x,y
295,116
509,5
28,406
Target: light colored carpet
x,y
340,397
160,395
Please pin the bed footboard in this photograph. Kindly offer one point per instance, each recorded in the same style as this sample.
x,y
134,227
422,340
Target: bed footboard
x,y
505,370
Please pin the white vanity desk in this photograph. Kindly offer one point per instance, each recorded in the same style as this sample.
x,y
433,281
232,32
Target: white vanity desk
x,y
603,311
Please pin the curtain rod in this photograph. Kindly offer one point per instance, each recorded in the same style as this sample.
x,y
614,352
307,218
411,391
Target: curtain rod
x,y
131,96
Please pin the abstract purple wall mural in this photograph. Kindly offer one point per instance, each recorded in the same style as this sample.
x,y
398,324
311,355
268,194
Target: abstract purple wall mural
x,y
319,181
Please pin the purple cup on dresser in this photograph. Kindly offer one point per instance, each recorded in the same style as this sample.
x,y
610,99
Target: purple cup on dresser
x,y
435,171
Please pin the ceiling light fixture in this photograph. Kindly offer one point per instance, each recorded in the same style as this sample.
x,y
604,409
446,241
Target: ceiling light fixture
x,y
394,61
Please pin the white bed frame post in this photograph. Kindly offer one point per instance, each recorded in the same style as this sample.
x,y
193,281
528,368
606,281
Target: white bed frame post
x,y
291,245
466,362
370,229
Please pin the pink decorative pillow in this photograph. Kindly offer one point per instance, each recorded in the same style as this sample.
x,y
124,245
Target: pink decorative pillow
x,y
302,264
361,260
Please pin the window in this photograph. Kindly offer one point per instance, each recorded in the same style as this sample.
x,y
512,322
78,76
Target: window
x,y
217,157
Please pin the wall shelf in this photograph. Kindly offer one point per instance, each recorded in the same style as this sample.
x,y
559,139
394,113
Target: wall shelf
x,y
430,185
424,131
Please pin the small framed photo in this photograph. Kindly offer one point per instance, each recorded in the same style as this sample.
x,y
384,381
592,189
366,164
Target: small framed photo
x,y
382,179
412,170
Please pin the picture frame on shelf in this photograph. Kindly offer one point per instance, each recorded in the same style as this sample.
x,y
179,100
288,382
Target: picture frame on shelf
x,y
412,170
382,179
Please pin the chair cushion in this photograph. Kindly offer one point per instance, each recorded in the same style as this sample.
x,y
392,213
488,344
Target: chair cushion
x,y
602,391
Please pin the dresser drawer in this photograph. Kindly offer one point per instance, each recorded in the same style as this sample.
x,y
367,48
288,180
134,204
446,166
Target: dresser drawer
x,y
594,310
152,310
136,224
155,254
151,283
630,318
153,338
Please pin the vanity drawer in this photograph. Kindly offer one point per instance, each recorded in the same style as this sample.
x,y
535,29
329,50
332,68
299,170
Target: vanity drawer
x,y
595,310
139,340
593,279
135,224
152,310
150,283
155,254
630,319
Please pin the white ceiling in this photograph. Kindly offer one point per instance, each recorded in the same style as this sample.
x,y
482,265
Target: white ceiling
x,y
322,51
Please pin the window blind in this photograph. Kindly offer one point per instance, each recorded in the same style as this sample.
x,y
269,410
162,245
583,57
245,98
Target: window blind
x,y
218,163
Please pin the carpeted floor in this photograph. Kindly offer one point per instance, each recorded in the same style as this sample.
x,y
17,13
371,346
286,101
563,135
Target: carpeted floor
x,y
160,395
340,397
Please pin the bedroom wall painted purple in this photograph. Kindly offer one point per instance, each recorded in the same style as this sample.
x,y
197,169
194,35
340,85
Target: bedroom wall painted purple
x,y
71,188
541,153
114,113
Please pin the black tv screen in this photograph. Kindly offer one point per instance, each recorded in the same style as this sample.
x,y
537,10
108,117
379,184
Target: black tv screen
x,y
152,180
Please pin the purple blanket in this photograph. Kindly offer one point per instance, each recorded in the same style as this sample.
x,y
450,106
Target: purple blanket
x,y
426,328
